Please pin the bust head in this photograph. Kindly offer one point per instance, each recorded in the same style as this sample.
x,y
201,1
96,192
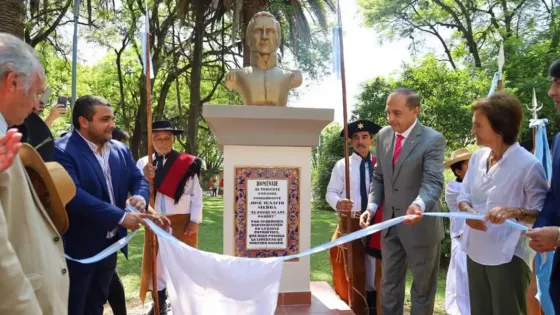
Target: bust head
x,y
263,34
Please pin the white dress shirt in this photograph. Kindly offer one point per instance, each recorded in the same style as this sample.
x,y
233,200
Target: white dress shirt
x,y
336,189
372,206
3,125
452,191
518,180
190,202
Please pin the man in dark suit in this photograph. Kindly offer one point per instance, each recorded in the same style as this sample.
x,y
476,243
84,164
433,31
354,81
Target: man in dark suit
x,y
104,173
545,235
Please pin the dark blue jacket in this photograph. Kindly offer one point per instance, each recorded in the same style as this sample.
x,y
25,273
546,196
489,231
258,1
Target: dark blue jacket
x,y
550,216
90,213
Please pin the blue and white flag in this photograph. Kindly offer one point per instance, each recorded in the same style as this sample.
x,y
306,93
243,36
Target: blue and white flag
x,y
543,262
143,41
336,34
494,85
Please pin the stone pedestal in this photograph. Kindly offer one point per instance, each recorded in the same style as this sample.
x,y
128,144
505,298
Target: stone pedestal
x,y
267,184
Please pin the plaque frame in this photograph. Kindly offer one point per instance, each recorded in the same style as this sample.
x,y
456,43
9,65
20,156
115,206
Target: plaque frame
x,y
240,208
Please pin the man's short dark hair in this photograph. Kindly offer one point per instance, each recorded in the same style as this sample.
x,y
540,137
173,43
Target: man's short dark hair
x,y
412,98
456,167
505,113
85,107
554,70
120,135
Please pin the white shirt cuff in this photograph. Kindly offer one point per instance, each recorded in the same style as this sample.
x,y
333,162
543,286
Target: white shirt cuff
x,y
372,207
420,203
122,219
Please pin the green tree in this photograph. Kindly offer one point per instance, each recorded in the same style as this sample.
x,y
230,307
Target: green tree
x,y
327,153
446,95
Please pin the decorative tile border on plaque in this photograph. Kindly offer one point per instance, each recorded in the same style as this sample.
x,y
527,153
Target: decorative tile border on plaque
x,y
249,183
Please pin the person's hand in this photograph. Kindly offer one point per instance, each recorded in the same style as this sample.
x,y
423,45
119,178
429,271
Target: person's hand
x,y
344,205
191,228
475,224
137,202
543,239
132,220
150,171
365,219
413,214
9,146
159,219
57,110
499,215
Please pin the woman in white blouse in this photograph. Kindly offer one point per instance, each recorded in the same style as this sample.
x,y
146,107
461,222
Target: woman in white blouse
x,y
505,182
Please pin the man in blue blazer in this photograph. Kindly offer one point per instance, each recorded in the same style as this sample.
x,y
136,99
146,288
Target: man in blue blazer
x,y
545,235
104,173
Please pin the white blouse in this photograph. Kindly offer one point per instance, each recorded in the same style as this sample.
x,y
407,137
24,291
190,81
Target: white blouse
x,y
518,180
452,191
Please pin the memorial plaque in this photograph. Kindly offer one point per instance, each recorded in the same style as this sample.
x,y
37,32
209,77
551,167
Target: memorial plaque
x,y
266,211
267,214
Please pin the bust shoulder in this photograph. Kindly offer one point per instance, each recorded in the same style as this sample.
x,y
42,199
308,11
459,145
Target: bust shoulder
x,y
233,75
297,78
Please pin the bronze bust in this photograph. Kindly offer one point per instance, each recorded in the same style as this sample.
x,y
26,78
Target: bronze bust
x,y
263,82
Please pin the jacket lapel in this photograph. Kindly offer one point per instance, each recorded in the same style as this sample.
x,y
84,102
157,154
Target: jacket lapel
x,y
389,144
407,148
86,151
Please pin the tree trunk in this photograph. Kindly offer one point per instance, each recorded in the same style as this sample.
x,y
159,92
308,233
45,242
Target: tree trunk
x,y
121,82
13,17
139,139
195,107
250,8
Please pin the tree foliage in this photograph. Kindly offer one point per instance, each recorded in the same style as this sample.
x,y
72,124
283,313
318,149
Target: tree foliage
x,y
446,95
329,151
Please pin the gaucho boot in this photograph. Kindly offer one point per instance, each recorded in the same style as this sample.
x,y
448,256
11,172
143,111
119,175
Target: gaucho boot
x,y
371,297
162,299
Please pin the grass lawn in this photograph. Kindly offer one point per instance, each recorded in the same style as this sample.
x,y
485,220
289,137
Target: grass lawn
x,y
210,239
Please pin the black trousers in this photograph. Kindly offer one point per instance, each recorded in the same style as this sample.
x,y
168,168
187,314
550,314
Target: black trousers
x,y
89,285
116,297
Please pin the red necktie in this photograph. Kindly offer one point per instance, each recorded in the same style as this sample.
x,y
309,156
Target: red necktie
x,y
398,147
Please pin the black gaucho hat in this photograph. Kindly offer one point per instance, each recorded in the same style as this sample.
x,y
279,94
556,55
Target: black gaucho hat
x,y
361,125
165,125
36,133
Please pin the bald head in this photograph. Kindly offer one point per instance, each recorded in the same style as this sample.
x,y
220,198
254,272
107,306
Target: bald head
x,y
412,98
403,106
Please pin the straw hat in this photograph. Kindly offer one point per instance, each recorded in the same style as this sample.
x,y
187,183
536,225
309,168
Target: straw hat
x,y
458,156
52,184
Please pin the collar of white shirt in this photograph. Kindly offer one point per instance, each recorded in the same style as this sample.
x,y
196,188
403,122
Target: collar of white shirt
x,y
93,146
3,124
358,157
408,131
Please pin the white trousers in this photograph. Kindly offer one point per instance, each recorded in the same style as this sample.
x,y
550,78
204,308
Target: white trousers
x,y
457,286
370,273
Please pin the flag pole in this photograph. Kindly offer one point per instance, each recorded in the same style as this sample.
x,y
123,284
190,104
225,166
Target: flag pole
x,y
501,61
74,58
150,150
350,266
